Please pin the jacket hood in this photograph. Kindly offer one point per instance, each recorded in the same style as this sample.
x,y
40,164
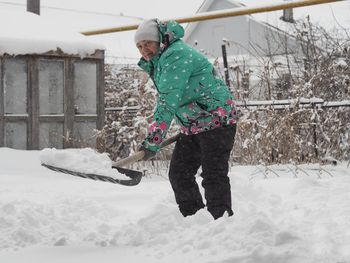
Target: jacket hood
x,y
170,32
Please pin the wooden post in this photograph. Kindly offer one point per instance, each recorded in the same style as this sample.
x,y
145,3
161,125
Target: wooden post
x,y
100,105
100,85
68,102
224,57
2,119
314,126
238,87
33,103
33,6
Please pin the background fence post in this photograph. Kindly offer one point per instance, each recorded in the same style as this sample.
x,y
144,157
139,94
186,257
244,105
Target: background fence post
x,y
224,57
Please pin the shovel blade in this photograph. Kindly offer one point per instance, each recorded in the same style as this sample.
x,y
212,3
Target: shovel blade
x,y
135,176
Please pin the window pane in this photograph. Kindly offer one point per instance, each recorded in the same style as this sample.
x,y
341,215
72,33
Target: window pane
x,y
15,86
85,87
16,135
51,135
84,134
51,85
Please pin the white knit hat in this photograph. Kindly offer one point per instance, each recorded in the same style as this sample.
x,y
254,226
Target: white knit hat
x,y
148,30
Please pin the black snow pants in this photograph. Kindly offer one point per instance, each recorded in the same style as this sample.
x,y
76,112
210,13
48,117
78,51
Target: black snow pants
x,y
211,150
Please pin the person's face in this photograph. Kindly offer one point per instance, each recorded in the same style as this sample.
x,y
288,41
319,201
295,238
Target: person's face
x,y
148,49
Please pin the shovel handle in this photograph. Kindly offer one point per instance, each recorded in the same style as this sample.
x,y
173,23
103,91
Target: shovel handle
x,y
129,160
140,154
169,141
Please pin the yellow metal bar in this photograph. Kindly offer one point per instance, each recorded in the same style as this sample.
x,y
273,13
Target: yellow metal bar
x,y
239,11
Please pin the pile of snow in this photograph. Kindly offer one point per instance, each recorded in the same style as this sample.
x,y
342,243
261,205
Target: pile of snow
x,y
85,160
283,214
27,33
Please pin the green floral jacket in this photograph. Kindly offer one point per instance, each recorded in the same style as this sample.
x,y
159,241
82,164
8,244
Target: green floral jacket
x,y
188,89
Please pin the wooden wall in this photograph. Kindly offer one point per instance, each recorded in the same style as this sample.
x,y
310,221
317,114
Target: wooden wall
x,y
51,100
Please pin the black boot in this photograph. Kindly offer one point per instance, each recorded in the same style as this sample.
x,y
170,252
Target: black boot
x,y
218,212
188,209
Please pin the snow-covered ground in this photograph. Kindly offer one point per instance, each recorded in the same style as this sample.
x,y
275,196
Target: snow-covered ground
x,y
298,216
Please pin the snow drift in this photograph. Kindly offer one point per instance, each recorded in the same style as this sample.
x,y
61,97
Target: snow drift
x,y
49,217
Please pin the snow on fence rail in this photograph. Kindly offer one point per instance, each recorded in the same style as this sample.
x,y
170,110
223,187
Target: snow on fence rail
x,y
276,104
129,111
283,104
126,108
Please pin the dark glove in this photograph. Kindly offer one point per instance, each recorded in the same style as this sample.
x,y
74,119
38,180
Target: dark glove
x,y
148,154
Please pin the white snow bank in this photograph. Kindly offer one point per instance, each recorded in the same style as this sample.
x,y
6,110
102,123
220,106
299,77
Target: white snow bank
x,y
289,215
84,160
26,33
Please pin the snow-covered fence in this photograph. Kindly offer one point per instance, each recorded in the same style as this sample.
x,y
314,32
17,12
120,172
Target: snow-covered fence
x,y
128,111
278,131
131,111
301,134
301,103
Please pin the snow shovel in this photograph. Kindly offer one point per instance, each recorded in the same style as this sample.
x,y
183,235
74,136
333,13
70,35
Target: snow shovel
x,y
140,154
135,176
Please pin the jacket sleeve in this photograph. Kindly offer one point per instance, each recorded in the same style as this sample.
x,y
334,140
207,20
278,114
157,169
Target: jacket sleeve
x,y
172,80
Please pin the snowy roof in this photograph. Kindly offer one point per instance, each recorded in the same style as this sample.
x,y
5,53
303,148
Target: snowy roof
x,y
82,15
27,33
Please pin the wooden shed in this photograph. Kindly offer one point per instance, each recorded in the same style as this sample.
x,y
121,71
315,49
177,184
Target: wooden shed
x,y
51,85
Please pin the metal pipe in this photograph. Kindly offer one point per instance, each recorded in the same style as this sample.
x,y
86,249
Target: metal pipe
x,y
238,11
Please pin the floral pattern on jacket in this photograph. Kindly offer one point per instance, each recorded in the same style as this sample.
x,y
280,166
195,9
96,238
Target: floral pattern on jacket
x,y
188,89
